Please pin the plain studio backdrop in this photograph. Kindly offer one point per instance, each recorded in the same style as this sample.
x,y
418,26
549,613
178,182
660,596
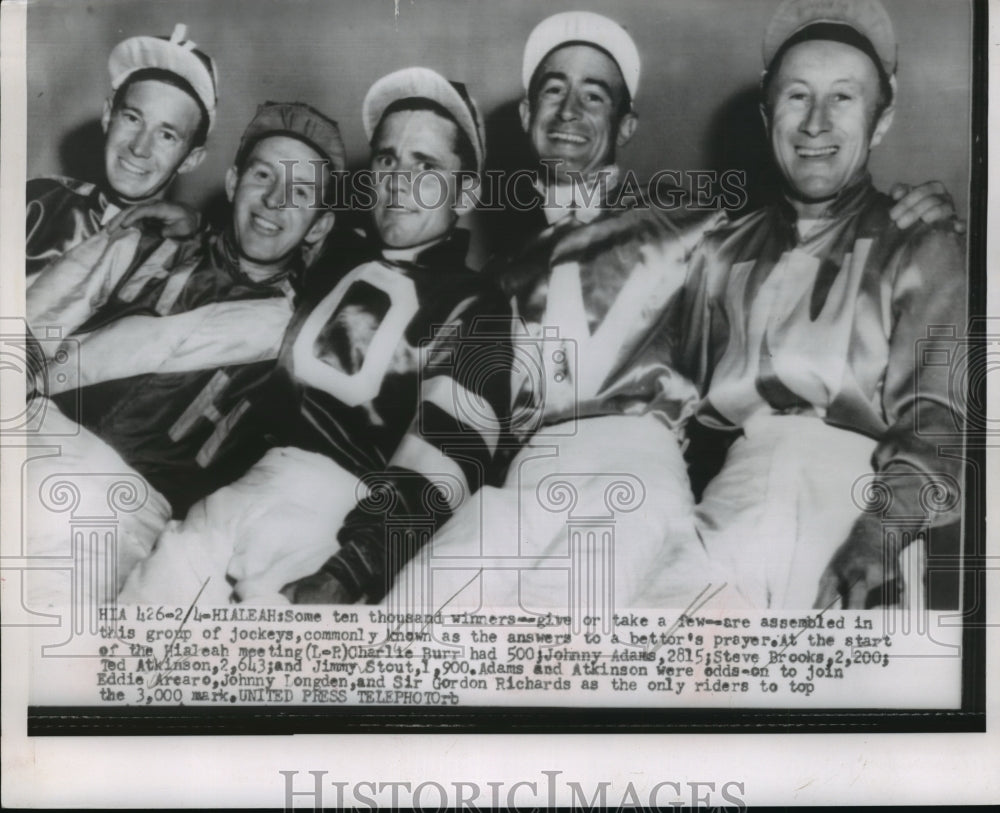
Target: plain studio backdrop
x,y
697,101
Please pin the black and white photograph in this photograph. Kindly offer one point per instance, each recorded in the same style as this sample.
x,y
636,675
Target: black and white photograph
x,y
374,370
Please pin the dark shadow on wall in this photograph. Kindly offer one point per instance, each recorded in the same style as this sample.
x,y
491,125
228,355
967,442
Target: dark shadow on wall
x,y
500,220
81,152
216,210
737,140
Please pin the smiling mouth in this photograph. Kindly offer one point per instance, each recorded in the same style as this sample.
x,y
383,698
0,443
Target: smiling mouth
x,y
264,226
816,152
131,168
569,138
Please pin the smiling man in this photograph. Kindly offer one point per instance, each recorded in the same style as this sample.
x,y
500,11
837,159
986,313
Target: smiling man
x,y
269,225
823,122
578,107
155,126
809,328
172,338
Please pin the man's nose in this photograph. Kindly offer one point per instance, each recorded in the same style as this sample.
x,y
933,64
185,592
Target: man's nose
x,y
399,180
817,119
142,143
569,108
274,194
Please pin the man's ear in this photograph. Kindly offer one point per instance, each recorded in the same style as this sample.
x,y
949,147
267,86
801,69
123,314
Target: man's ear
x,y
192,161
882,127
885,119
320,229
232,177
524,108
106,116
626,128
